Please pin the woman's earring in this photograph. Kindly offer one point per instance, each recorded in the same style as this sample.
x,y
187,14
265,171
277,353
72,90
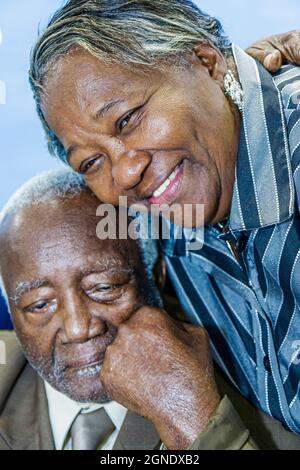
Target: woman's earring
x,y
233,90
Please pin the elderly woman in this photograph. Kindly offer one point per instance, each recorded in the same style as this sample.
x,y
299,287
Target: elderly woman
x,y
151,101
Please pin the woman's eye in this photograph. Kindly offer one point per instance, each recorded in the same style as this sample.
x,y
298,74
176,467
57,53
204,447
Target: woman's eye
x,y
89,165
125,121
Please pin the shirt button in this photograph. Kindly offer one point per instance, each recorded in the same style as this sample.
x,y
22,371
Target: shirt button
x,y
267,364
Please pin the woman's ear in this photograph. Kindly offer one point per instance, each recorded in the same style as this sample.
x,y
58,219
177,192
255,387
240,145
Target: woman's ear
x,y
210,57
160,272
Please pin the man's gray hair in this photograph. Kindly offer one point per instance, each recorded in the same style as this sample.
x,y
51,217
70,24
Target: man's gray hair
x,y
146,34
43,188
58,185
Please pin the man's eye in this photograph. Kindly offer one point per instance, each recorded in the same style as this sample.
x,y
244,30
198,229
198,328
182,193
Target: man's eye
x,y
90,165
42,306
104,292
102,288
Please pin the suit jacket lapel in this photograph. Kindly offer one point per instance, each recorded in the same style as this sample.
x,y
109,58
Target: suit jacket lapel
x,y
24,421
44,437
24,417
137,433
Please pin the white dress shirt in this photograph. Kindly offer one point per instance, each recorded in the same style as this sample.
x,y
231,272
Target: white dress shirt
x,y
63,411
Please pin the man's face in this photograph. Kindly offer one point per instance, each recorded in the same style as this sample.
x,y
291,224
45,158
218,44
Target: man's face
x,y
133,134
70,291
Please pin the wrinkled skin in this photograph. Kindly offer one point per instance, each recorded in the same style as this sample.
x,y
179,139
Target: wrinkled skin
x,y
82,289
175,360
167,120
174,124
77,301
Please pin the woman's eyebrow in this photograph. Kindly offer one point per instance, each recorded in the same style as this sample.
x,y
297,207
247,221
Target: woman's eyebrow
x,y
108,106
118,101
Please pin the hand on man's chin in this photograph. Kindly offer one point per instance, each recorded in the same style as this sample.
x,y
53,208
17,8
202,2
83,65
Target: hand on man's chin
x,y
162,369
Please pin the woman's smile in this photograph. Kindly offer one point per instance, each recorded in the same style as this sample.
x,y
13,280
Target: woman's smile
x,y
168,191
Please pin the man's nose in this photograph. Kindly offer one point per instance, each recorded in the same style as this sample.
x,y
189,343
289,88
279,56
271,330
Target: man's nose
x,y
79,323
128,169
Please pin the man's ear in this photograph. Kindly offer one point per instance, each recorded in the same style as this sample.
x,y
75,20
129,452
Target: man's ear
x,y
160,272
210,57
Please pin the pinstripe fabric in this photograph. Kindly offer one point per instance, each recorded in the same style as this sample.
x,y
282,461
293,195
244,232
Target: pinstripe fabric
x,y
251,309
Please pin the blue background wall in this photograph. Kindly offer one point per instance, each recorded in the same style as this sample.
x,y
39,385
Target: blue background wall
x,y
5,323
22,147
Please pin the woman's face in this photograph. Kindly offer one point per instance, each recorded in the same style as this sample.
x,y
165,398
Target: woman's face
x,y
161,137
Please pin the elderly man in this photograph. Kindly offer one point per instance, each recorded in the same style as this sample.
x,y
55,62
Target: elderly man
x,y
73,298
78,304
69,294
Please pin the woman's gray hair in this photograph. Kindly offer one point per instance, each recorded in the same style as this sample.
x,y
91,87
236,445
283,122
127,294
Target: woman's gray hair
x,y
134,33
58,185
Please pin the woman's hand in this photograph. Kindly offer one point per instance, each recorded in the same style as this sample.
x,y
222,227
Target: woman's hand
x,y
162,369
276,50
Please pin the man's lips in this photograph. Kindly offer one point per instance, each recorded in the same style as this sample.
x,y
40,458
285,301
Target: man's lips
x,y
87,361
167,192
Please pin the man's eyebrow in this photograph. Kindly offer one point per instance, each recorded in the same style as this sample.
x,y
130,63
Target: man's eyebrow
x,y
107,265
24,287
99,114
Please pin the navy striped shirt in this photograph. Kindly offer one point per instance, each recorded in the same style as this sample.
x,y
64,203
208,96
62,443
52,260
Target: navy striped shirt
x,y
251,307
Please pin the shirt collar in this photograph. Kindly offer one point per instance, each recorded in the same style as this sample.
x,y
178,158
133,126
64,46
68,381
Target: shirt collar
x,y
264,190
63,411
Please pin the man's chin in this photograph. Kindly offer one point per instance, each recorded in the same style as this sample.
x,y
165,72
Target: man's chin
x,y
82,388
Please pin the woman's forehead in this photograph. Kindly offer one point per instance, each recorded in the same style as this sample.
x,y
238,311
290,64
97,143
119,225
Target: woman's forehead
x,y
83,86
83,73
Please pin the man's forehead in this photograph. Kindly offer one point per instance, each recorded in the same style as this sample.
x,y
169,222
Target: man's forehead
x,y
65,233
37,268
49,237
48,220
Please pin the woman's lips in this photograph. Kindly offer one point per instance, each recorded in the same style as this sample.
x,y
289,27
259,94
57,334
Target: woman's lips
x,y
168,191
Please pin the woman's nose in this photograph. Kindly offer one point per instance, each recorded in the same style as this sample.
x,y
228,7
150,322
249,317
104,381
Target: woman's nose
x,y
128,171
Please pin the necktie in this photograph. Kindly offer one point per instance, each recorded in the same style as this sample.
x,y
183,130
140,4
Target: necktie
x,y
89,430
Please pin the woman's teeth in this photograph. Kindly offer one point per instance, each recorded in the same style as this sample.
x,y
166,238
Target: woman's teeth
x,y
165,185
